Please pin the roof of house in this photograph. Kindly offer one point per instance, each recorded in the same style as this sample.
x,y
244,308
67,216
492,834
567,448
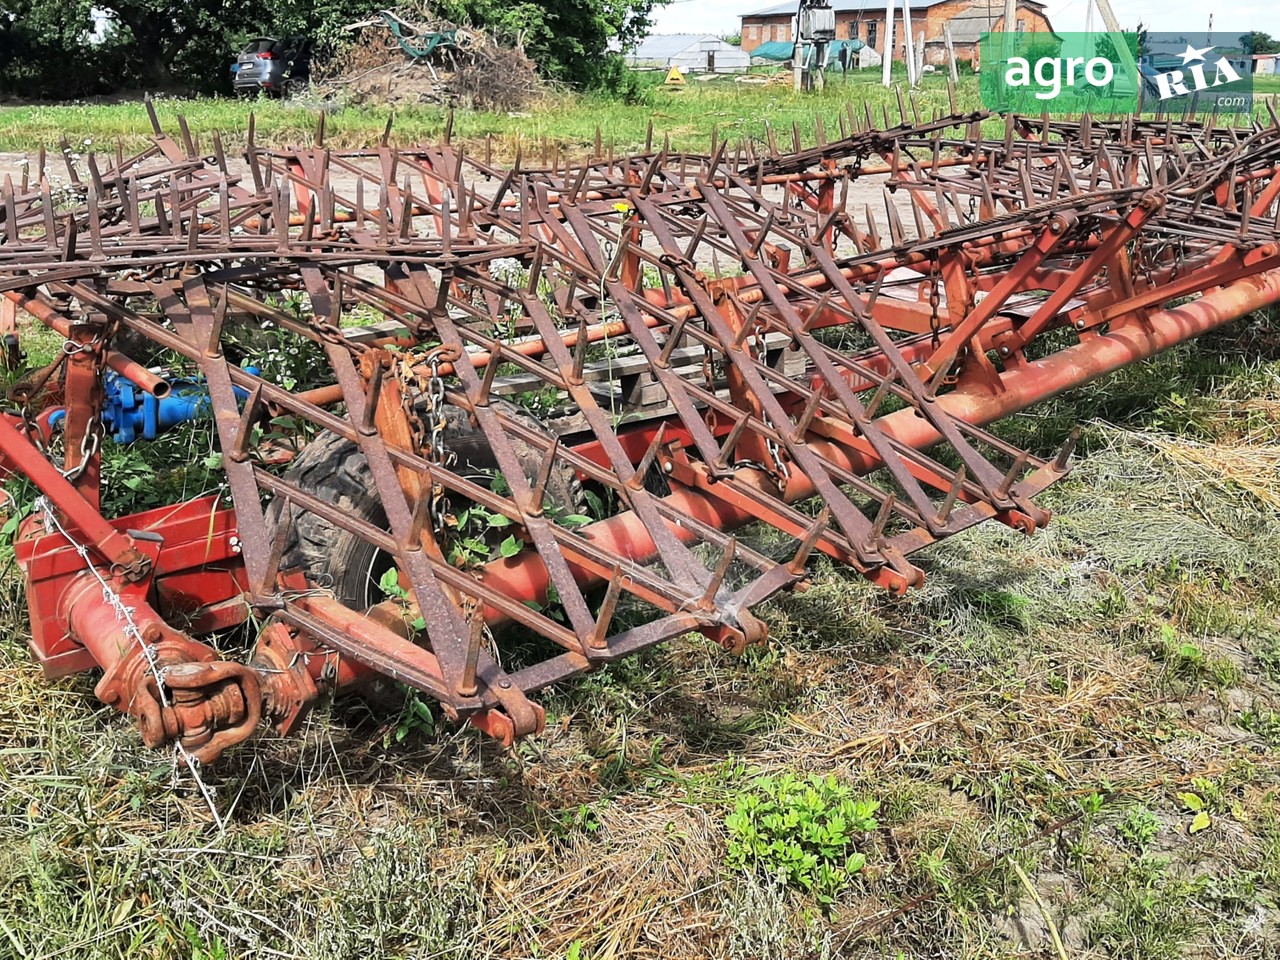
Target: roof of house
x,y
858,6
780,50
840,6
969,25
658,46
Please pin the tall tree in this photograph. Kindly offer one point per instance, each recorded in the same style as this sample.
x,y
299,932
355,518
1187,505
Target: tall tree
x,y
43,44
1255,41
568,39
47,47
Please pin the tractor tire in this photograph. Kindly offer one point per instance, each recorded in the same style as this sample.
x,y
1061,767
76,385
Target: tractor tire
x,y
334,469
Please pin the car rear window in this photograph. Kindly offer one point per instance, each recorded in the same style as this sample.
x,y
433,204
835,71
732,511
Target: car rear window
x,y
261,45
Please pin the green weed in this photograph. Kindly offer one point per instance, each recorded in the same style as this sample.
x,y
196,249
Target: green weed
x,y
1153,913
804,829
1138,828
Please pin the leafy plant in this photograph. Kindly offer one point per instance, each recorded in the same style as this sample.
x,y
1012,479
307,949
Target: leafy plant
x,y
1139,828
803,829
1263,723
1195,804
580,819
415,718
1187,661
389,584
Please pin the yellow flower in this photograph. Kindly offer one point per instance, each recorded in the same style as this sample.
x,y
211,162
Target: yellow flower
x,y
622,206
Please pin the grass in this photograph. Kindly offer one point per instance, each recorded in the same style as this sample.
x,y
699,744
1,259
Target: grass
x,y
567,122
1047,702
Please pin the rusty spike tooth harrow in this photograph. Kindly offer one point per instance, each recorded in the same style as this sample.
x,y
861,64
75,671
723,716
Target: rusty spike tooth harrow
x,y
829,392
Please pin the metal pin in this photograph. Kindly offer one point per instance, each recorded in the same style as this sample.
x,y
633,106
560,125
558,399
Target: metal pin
x,y
806,416
1015,469
481,397
696,239
267,586
535,272
578,183
538,496
213,348
579,354
599,636
881,391
420,522
718,574
731,441
810,540
369,418
636,480
673,341
475,634
881,521
239,452
753,253
748,325
1062,462
949,501
816,313
151,115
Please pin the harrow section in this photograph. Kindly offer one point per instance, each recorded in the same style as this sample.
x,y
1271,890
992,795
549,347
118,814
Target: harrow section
x,y
568,411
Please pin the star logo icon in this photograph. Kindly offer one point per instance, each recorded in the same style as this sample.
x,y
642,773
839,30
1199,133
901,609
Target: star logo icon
x,y
1191,53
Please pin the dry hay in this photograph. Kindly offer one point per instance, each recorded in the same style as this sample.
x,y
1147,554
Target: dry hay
x,y
1247,467
480,73
629,884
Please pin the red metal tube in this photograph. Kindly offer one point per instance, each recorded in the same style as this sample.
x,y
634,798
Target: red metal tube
x,y
524,578
130,369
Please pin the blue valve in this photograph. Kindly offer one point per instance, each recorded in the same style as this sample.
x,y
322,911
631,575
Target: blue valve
x,y
129,412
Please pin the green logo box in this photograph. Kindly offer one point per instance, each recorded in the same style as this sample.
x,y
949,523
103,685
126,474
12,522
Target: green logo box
x,y
1073,73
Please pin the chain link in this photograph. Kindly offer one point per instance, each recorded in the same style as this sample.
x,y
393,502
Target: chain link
x,y
934,300
434,421
23,393
91,443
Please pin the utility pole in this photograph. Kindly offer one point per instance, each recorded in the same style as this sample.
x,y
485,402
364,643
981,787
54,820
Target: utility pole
x,y
1122,48
887,60
951,52
909,43
1010,26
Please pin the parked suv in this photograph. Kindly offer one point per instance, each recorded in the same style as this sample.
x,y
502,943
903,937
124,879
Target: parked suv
x,y
275,67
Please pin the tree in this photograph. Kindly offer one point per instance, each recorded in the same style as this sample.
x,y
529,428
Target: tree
x,y
1136,40
190,42
569,40
45,44
48,48
1255,41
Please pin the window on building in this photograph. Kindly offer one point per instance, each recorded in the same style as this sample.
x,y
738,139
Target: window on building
x,y
1022,26
871,33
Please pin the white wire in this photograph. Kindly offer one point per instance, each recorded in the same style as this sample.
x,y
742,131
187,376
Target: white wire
x,y
125,613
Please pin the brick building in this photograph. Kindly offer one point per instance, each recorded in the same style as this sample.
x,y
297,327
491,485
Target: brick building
x,y
865,20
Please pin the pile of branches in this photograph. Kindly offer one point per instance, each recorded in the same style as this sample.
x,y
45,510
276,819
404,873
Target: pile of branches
x,y
476,70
